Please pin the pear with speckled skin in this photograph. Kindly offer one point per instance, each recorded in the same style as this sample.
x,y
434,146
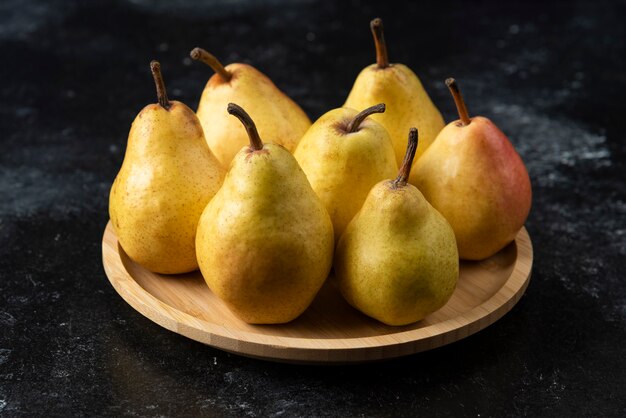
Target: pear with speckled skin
x,y
344,154
278,117
475,178
167,178
265,241
401,90
397,261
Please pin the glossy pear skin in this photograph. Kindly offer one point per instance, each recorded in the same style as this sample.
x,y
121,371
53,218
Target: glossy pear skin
x,y
397,260
167,178
475,178
276,115
265,242
408,105
342,167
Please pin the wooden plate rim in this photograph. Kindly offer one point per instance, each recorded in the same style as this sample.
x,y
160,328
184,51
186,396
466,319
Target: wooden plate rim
x,y
325,350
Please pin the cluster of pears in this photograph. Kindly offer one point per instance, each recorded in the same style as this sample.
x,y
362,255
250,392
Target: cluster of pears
x,y
266,204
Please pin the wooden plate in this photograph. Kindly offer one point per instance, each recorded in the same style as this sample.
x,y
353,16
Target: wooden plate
x,y
330,331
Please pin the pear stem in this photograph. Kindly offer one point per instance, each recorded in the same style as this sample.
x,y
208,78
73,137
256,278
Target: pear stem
x,y
202,55
382,58
155,67
458,100
405,168
255,140
355,123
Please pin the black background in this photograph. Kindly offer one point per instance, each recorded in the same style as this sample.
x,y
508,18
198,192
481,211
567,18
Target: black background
x,y
73,75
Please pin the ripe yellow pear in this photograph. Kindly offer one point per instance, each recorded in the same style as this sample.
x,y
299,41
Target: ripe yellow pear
x,y
278,117
475,178
265,241
167,178
343,155
397,261
399,88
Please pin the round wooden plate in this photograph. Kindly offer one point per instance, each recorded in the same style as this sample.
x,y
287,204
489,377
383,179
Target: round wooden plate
x,y
330,331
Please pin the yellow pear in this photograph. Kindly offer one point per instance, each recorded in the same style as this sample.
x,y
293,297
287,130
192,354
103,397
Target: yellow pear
x,y
265,241
397,261
278,117
475,178
399,88
167,178
344,154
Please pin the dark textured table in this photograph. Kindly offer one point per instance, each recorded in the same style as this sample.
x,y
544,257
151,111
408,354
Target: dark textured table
x,y
74,75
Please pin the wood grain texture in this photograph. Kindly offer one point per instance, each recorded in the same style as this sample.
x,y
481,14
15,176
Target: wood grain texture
x,y
330,331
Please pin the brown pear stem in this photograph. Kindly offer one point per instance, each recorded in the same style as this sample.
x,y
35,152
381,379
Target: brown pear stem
x,y
382,59
200,54
355,123
405,168
155,67
458,100
255,140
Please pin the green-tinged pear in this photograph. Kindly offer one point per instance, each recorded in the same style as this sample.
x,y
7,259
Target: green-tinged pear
x,y
397,260
265,241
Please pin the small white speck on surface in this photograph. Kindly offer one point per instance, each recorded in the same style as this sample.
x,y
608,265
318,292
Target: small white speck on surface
x,y
187,61
310,36
30,277
514,29
60,373
7,319
163,46
176,92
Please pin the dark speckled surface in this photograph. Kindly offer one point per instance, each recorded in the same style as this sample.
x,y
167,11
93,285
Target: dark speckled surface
x,y
74,75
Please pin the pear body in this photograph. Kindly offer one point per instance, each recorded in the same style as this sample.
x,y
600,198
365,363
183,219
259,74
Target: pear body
x,y
167,178
397,261
265,242
475,178
408,105
277,116
342,167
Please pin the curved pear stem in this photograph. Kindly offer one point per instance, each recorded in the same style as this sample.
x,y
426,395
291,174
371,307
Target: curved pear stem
x,y
355,123
255,140
155,67
202,55
405,168
382,59
458,101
